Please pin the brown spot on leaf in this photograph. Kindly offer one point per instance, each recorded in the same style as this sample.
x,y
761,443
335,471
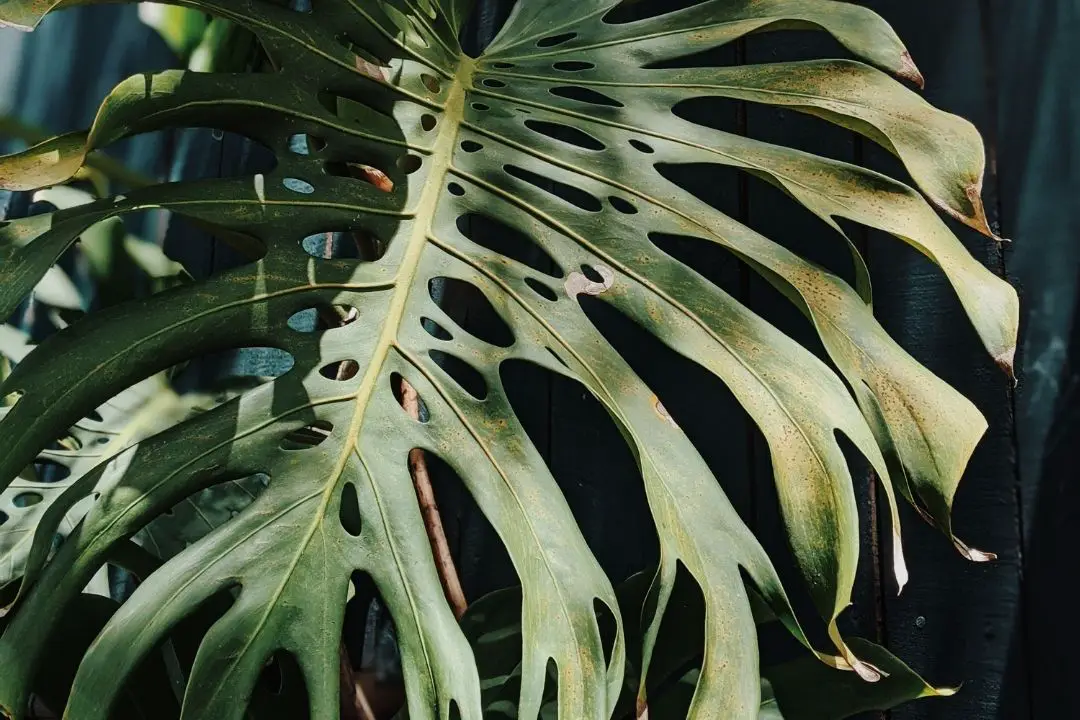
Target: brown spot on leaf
x,y
578,283
662,412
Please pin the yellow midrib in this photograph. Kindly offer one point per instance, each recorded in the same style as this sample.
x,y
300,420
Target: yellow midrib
x,y
440,158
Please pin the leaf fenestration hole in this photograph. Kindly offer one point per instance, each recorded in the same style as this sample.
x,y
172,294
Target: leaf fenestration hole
x,y
340,371
623,206
349,510
482,107
565,133
406,395
50,471
642,147
471,146
432,83
281,690
305,144
573,65
428,121
493,83
409,163
592,273
597,465
585,95
332,245
502,65
465,375
553,40
298,186
541,289
435,330
557,357
3,517
323,317
26,499
309,436
472,311
455,189
498,236
573,195
609,628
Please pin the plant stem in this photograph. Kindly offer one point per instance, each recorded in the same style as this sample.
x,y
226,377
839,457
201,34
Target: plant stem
x,y
429,509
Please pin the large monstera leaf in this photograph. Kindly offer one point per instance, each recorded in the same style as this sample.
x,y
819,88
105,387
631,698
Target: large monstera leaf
x,y
558,135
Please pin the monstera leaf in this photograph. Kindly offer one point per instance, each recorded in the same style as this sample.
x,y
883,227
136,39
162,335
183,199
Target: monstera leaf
x,y
559,139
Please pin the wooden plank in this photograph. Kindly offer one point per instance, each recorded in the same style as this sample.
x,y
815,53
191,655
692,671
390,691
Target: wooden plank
x,y
1035,60
956,621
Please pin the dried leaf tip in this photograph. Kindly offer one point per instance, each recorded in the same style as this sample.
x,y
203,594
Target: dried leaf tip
x,y
900,570
973,554
909,71
1006,361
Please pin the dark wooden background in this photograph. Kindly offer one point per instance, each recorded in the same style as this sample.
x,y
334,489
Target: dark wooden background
x,y
1003,630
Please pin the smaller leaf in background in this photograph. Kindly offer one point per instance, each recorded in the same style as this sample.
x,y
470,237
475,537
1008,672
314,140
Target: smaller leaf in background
x,y
181,28
807,690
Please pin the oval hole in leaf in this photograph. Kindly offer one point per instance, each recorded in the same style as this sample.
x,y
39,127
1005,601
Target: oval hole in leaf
x,y
340,371
553,40
26,499
3,517
349,510
493,83
504,239
574,196
352,245
409,163
310,436
465,375
642,147
50,471
398,385
428,121
573,65
541,289
432,83
503,65
565,133
623,206
323,317
281,690
298,186
305,144
471,146
585,95
435,330
482,107
473,312
360,171
592,273
455,189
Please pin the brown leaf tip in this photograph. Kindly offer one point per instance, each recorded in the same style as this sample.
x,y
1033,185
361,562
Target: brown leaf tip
x,y
1006,361
909,71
